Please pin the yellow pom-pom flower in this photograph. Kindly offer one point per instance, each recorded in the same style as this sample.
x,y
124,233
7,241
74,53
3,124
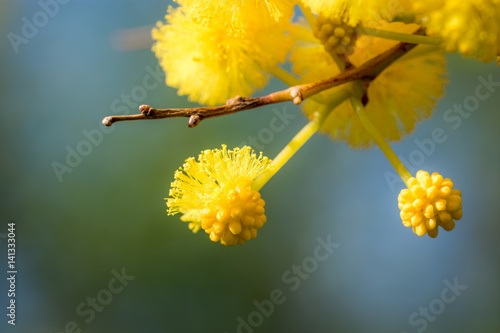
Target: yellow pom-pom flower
x,y
428,202
471,27
353,11
210,62
215,194
239,16
397,99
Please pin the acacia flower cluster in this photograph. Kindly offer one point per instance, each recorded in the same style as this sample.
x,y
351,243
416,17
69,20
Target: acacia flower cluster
x,y
367,73
215,194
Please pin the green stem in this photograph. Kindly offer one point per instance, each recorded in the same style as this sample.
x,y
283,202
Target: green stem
x,y
290,149
379,139
337,97
402,37
339,61
284,76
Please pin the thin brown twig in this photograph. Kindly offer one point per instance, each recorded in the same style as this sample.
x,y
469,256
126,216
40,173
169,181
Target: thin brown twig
x,y
368,71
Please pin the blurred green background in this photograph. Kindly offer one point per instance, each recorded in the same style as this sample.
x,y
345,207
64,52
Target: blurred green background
x,y
74,234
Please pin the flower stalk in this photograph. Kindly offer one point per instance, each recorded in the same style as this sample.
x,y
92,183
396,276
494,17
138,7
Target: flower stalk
x,y
379,140
298,141
398,36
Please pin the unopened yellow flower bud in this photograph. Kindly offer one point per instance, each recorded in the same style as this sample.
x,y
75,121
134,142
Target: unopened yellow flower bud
x,y
428,202
336,36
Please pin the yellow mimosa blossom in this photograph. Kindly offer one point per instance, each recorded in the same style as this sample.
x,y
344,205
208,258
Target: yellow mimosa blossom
x,y
239,15
471,27
428,202
403,94
215,194
209,63
354,11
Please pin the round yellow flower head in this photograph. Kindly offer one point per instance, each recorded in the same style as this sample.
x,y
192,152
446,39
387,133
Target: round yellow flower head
x,y
238,16
337,36
215,194
354,11
471,27
429,202
210,62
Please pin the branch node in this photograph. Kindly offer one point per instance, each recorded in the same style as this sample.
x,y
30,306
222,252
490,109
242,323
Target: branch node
x,y
145,110
194,120
296,95
235,100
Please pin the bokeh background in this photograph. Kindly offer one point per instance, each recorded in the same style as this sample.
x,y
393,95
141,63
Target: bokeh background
x,y
109,212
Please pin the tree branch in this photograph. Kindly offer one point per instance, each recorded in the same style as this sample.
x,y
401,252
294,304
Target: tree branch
x,y
367,71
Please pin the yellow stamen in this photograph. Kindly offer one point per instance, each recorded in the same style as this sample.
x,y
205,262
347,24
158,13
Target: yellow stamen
x,y
214,194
